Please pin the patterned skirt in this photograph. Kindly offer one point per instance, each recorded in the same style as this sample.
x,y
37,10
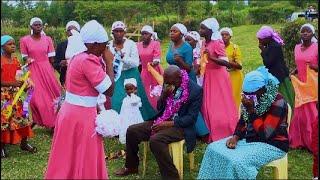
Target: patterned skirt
x,y
17,126
243,162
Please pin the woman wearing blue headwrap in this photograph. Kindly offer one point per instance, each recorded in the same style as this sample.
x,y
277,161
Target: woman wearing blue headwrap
x,y
15,128
260,136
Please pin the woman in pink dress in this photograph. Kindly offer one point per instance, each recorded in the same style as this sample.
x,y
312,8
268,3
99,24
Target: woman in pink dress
x,y
218,108
149,52
305,115
77,150
39,47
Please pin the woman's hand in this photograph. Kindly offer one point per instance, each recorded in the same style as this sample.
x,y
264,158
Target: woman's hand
x,y
162,125
294,71
178,59
63,63
17,83
248,104
232,142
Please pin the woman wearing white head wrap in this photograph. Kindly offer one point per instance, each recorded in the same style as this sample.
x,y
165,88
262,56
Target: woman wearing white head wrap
x,y
305,82
36,21
150,55
90,72
234,56
217,90
180,53
40,49
60,60
126,66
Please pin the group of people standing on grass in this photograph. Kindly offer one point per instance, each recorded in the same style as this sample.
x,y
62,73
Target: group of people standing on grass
x,y
203,93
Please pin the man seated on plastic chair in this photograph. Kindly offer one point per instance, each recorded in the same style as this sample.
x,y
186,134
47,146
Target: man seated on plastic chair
x,y
178,105
263,125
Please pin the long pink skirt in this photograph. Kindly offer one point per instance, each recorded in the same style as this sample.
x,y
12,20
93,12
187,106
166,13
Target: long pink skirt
x,y
149,82
46,90
300,133
77,151
218,107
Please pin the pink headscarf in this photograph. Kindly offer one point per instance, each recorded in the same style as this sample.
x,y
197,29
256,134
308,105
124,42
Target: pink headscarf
x,y
267,32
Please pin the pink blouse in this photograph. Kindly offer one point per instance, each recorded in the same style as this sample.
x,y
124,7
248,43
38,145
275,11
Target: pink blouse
x,y
150,53
216,49
309,55
39,50
86,76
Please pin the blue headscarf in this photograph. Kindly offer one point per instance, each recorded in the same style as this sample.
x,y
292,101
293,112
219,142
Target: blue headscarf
x,y
4,40
257,79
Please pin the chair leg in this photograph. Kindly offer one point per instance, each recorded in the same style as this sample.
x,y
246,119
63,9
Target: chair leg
x,y
281,171
191,159
144,162
177,156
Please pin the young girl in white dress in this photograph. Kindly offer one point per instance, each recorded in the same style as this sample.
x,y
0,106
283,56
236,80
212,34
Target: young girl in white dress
x,y
130,109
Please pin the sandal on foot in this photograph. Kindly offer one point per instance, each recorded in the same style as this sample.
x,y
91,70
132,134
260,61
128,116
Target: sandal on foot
x,y
29,148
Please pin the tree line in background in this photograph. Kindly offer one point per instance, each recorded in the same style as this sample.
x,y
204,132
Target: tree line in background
x,y
164,13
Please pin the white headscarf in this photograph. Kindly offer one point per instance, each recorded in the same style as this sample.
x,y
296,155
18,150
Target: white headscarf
x,y
130,81
182,28
149,29
73,23
314,39
226,29
194,35
91,32
33,20
118,24
212,23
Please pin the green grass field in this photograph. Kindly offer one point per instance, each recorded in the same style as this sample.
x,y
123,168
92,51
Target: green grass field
x,y
21,165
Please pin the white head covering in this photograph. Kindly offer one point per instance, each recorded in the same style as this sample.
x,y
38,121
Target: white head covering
x,y
149,29
227,29
91,32
130,81
194,35
212,23
33,20
182,28
314,39
118,24
73,23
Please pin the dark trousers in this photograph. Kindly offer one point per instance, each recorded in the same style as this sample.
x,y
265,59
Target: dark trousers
x,y
158,145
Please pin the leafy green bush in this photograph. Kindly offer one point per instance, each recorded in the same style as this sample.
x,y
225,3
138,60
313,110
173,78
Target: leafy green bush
x,y
57,34
290,33
274,13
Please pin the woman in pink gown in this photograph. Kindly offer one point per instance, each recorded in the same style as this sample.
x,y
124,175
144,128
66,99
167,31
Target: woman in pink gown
x,y
39,47
149,52
306,115
218,106
77,150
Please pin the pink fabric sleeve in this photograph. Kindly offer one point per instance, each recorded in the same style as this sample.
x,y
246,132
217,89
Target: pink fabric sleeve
x,y
23,47
157,50
95,74
219,49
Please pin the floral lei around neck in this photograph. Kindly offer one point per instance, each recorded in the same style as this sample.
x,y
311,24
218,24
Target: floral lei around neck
x,y
175,101
264,102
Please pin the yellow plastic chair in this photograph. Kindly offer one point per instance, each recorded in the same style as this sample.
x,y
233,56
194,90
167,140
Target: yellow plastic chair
x,y
281,165
176,151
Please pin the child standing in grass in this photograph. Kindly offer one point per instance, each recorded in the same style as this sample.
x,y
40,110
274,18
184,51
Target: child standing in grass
x,y
17,127
130,113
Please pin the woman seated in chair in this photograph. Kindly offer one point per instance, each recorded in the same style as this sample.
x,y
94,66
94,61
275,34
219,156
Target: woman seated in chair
x,y
260,136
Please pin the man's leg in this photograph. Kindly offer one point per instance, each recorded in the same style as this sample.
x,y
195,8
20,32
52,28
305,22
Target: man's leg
x,y
135,134
159,147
